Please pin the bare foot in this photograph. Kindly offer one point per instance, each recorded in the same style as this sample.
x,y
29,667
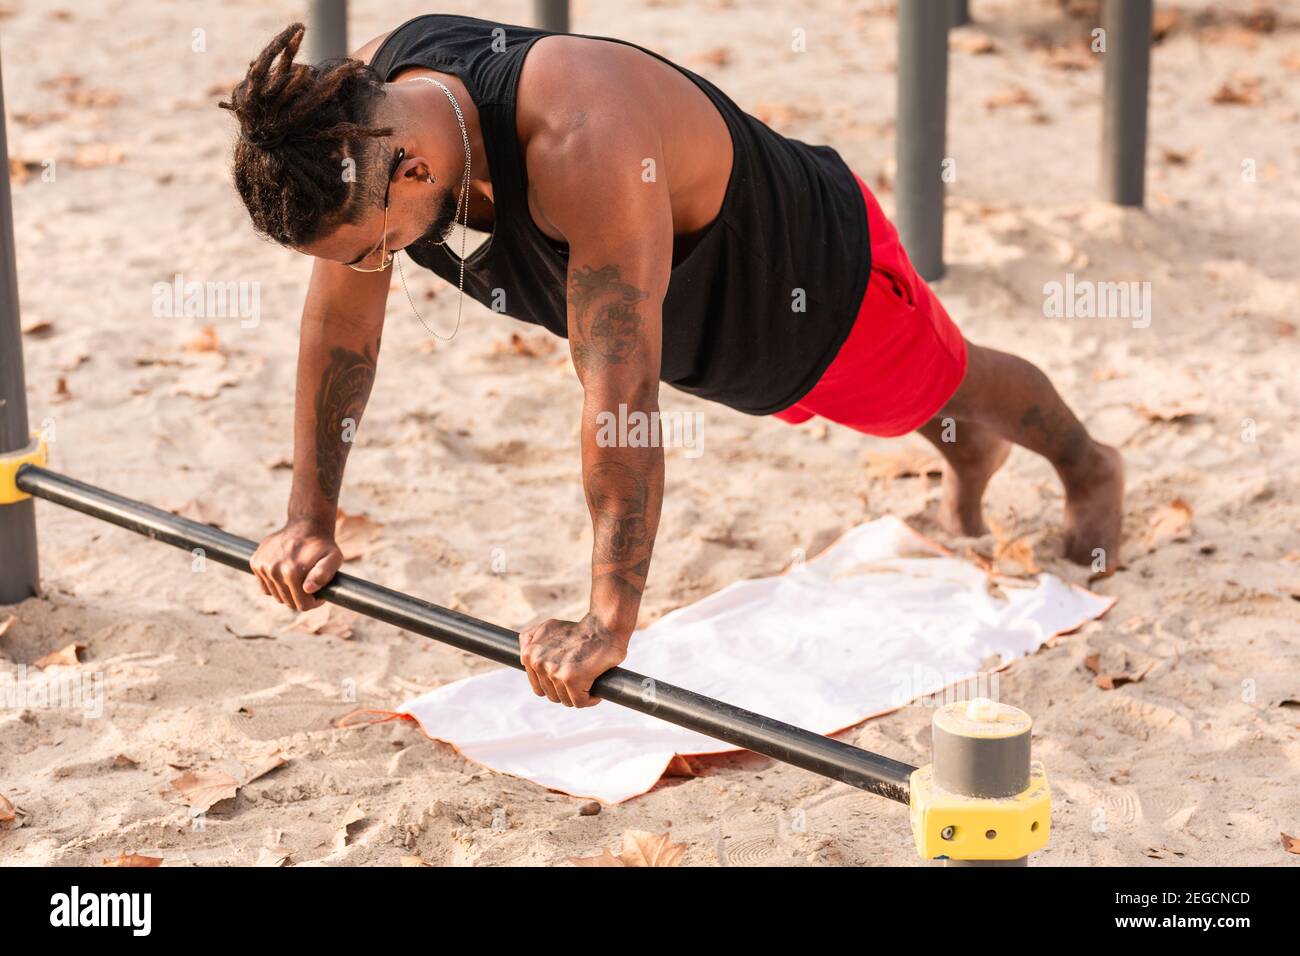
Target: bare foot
x,y
970,466
1094,509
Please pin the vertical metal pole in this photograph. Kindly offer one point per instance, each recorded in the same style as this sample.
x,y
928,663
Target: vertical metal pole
x,y
327,30
1127,30
922,119
551,15
18,567
981,749
960,12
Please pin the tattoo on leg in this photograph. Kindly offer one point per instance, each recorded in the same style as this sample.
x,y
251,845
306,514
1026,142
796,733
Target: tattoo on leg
x,y
608,323
344,388
1064,436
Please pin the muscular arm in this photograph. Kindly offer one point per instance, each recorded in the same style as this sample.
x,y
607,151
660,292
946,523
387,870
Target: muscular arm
x,y
588,179
614,335
337,349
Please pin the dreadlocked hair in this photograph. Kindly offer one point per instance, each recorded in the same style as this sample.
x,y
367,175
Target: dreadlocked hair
x,y
298,124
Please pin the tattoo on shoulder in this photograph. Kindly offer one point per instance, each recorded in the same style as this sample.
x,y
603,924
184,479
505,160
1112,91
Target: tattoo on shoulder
x,y
340,400
609,324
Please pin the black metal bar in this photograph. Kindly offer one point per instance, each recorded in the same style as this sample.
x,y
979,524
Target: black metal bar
x,y
922,120
960,13
1126,26
551,15
19,572
327,30
772,738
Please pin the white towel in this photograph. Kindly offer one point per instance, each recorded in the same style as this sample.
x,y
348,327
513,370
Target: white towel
x,y
880,618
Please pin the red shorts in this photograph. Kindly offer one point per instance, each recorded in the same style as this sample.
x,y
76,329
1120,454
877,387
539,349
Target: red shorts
x,y
903,358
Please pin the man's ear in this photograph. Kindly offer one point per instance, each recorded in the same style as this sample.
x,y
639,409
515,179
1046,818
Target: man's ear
x,y
415,168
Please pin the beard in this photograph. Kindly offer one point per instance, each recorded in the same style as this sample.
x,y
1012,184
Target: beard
x,y
442,215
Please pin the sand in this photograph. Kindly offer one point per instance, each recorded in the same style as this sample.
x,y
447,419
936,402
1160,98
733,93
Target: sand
x,y
468,456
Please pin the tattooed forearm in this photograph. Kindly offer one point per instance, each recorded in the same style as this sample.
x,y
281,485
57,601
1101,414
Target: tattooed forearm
x,y
340,401
614,337
619,498
608,326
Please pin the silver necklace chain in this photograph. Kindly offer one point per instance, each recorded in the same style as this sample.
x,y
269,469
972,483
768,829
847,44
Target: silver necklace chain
x,y
461,202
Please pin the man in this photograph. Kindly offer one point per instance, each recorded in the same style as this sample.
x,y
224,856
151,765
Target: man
x,y
635,210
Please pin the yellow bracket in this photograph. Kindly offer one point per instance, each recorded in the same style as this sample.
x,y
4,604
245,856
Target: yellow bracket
x,y
980,828
33,454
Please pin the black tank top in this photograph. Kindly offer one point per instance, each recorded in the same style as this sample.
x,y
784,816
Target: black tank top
x,y
757,309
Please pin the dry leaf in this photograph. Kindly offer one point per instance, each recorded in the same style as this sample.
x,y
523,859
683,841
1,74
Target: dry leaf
x,y
605,859
7,623
1242,91
61,391
1171,522
640,848
1174,410
92,97
985,563
531,347
205,341
414,861
907,461
326,619
90,155
978,558
1176,157
1015,551
356,535
1071,58
1019,96
36,118
38,328
20,170
273,856
63,81
122,760
7,813
351,818
1261,19
1290,844
133,859
975,43
201,791
67,657
679,766
1165,21
645,849
1112,681
718,56
264,765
